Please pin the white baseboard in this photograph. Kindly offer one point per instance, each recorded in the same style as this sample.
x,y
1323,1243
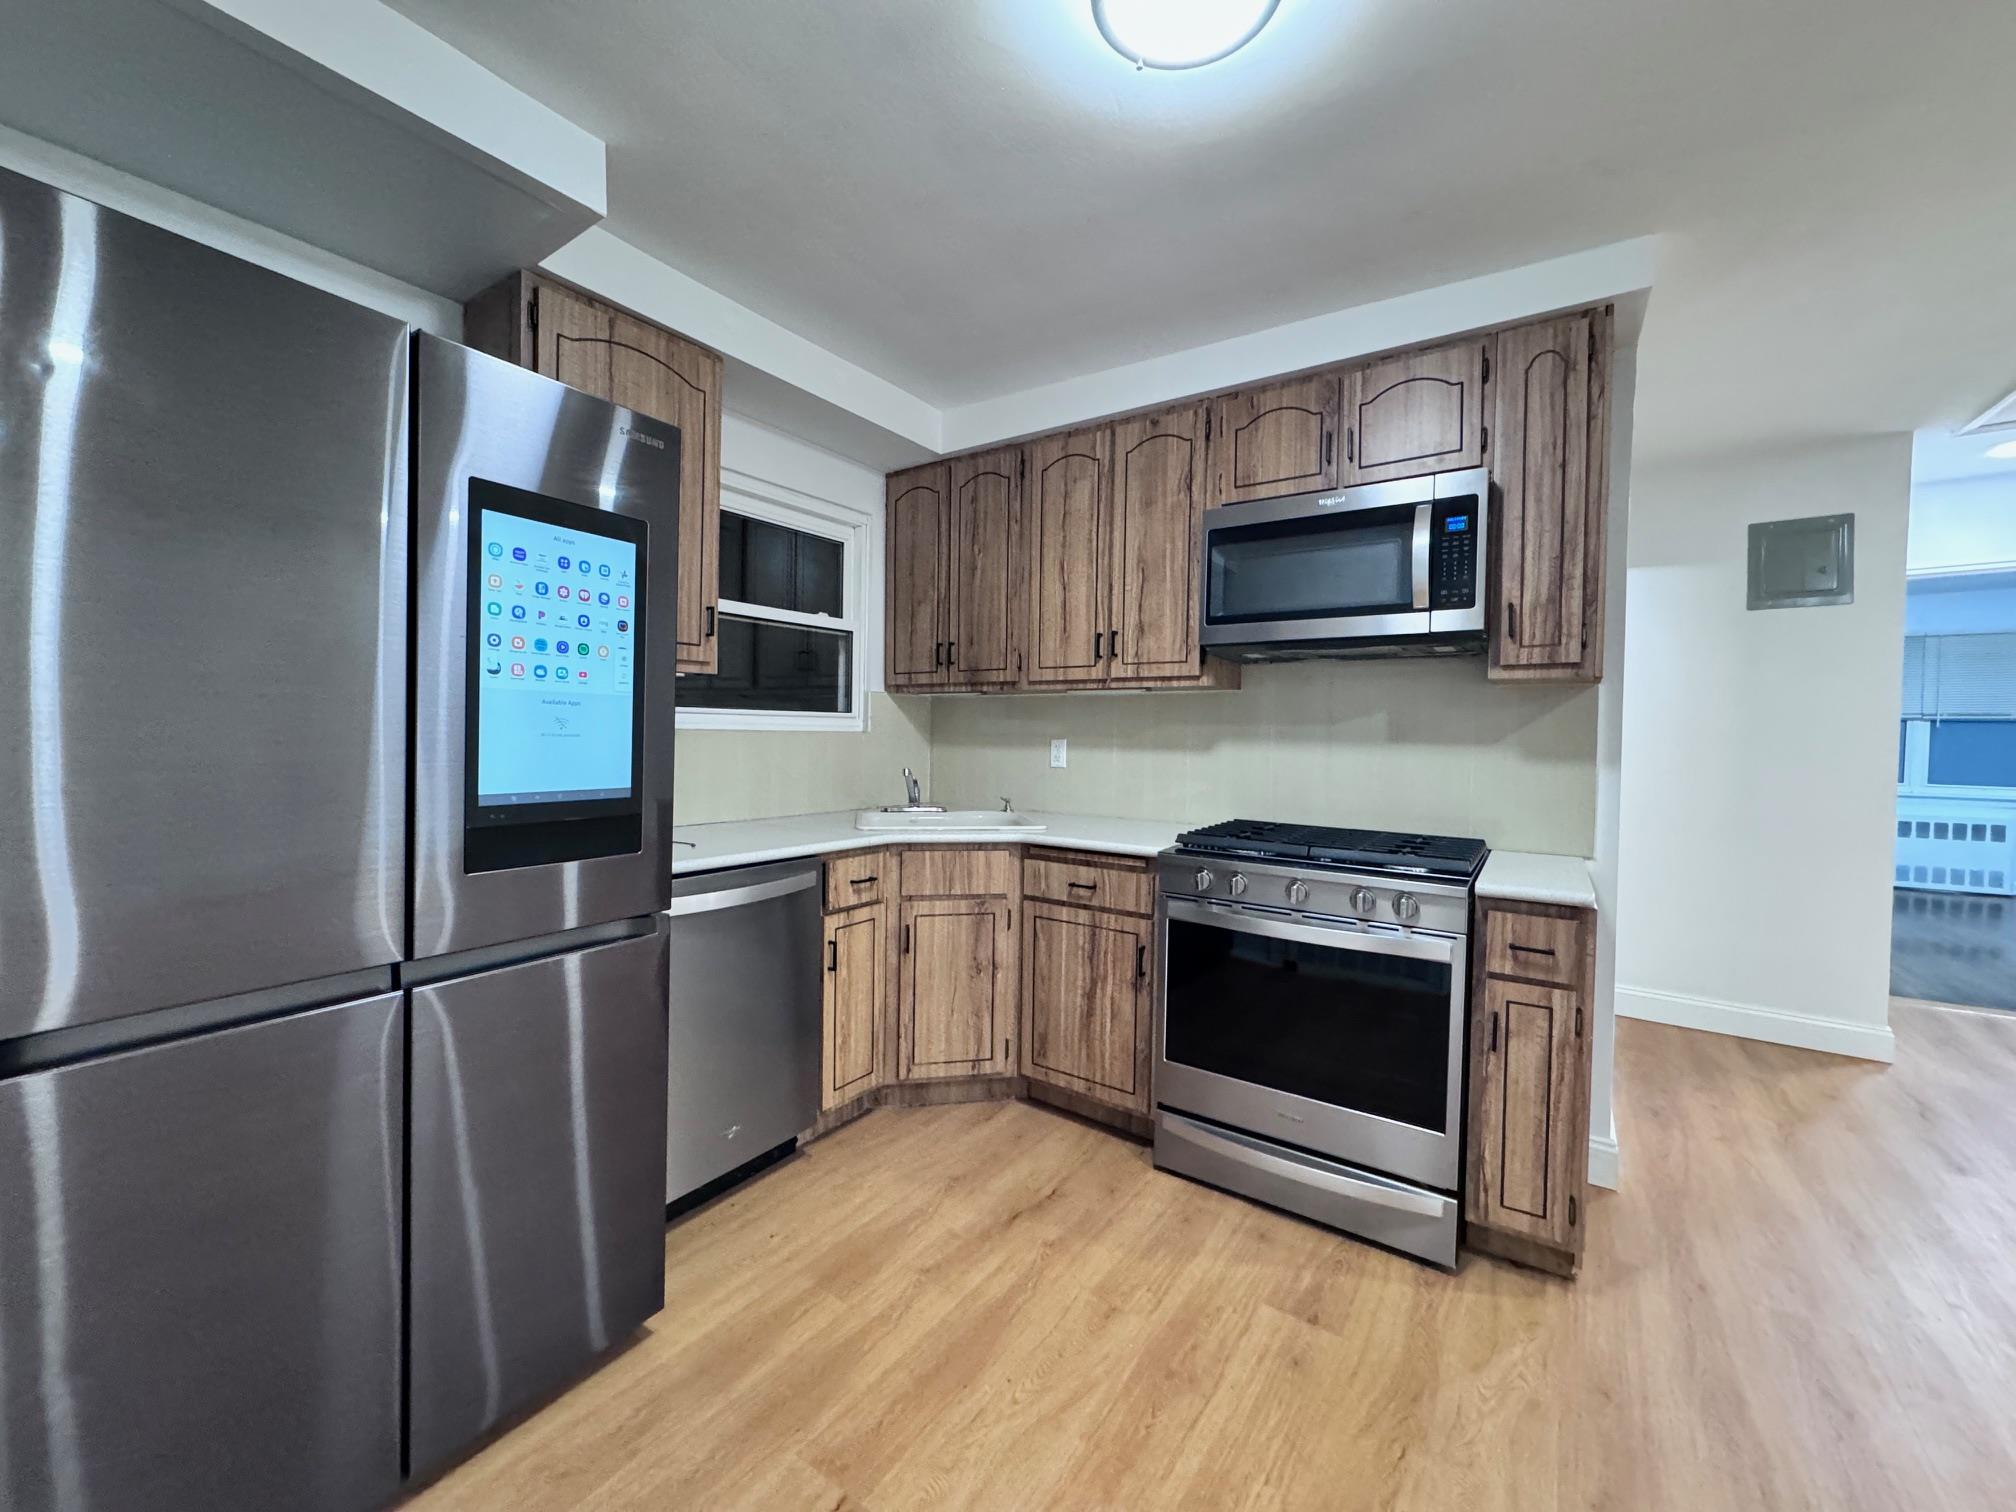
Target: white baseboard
x,y
1749,1021
1603,1160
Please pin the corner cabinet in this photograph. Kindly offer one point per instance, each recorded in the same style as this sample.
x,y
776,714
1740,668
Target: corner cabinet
x,y
1550,462
958,968
601,350
1529,1084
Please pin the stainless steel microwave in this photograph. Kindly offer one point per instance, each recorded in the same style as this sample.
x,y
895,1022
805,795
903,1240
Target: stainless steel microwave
x,y
1386,569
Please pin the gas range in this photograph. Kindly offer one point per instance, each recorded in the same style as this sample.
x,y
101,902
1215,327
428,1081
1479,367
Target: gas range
x,y
1311,1031
1378,877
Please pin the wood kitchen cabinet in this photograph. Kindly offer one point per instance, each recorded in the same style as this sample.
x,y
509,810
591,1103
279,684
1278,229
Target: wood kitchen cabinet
x,y
1528,1151
853,1007
1275,440
1112,556
1087,975
956,978
1550,462
919,585
601,350
1070,478
955,580
1419,412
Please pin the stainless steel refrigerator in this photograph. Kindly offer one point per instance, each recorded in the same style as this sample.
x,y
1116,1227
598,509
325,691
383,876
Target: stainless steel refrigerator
x,y
332,988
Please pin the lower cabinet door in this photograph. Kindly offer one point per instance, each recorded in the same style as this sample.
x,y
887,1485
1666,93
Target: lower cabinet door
x,y
956,989
853,1005
199,1270
1086,1003
1531,1161
538,1181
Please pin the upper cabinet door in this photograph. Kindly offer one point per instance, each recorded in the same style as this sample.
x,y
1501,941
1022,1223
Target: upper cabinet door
x,y
1421,412
1548,512
917,591
1158,503
1070,479
988,576
657,374
587,345
1277,440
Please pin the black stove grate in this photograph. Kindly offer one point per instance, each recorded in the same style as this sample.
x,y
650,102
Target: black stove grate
x,y
1385,850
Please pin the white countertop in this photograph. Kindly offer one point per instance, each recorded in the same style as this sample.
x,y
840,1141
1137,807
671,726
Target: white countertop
x,y
1522,876
744,842
1529,877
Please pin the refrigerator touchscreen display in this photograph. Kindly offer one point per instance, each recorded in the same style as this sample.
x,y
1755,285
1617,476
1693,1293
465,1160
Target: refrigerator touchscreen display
x,y
555,622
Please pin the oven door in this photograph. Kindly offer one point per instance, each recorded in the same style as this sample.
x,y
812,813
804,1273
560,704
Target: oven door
x,y
1333,1035
1343,566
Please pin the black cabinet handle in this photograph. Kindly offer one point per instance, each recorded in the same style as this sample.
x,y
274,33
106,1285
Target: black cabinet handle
x,y
833,954
1098,646
951,653
862,881
1083,886
1532,950
1351,444
710,623
906,939
1329,446
1113,645
1140,963
1512,622
937,654
1494,1034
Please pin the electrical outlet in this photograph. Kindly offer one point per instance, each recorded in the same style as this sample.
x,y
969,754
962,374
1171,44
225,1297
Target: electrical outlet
x,y
1057,753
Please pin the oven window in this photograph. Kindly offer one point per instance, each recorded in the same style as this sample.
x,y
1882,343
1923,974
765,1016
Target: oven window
x,y
1356,1030
1318,567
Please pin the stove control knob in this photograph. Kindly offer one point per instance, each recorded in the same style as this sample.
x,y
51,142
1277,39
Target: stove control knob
x,y
1298,892
1363,901
1205,877
1238,884
1406,908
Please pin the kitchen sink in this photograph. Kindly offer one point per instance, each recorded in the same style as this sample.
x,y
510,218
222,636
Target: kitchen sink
x,y
948,822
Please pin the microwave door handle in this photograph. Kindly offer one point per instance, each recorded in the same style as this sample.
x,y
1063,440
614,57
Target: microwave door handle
x,y
1424,524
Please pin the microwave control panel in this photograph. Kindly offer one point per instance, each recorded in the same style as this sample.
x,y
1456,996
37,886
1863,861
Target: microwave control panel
x,y
1452,566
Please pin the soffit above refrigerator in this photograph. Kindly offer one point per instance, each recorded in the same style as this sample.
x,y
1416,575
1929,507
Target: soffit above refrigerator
x,y
345,126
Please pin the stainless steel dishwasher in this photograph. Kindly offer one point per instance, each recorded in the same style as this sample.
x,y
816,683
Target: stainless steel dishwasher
x,y
745,1006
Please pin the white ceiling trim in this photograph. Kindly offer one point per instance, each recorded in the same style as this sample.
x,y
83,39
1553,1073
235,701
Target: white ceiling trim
x,y
392,59
781,379
1593,277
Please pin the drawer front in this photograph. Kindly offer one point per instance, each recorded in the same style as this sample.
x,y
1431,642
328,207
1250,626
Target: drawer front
x,y
1536,947
856,878
945,873
1064,879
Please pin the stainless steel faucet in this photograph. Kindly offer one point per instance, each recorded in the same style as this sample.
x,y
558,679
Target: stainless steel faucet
x,y
916,797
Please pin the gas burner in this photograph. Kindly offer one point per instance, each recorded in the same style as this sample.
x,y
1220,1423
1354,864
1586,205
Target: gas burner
x,y
1321,846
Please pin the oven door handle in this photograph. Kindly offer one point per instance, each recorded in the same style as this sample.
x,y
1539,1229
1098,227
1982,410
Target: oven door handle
x,y
1418,945
1424,528
1378,1193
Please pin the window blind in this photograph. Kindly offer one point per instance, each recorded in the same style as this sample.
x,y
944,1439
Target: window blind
x,y
1960,676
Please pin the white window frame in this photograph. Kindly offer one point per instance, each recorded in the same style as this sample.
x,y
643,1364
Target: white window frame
x,y
856,531
1918,782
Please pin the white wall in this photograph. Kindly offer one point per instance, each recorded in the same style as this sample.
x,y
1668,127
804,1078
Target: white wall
x,y
1967,524
1760,755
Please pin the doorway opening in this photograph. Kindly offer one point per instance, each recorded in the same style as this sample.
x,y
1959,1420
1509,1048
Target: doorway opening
x,y
1953,935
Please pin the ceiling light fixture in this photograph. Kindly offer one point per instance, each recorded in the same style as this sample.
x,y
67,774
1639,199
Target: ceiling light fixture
x,y
2003,451
1180,33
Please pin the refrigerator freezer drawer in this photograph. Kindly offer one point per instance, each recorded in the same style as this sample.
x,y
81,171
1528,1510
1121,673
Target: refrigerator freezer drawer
x,y
538,1204
199,1271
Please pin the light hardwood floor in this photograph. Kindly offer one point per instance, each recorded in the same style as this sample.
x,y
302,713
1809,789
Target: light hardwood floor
x,y
1804,1297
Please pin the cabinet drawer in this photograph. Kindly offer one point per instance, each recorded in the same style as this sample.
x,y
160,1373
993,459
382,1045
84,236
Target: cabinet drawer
x,y
1071,879
1537,947
958,873
855,879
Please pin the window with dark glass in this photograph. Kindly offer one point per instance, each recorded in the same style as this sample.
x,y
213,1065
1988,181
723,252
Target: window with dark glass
x,y
775,582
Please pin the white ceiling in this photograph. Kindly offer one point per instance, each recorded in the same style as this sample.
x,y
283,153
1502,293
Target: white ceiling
x,y
973,198
1945,457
